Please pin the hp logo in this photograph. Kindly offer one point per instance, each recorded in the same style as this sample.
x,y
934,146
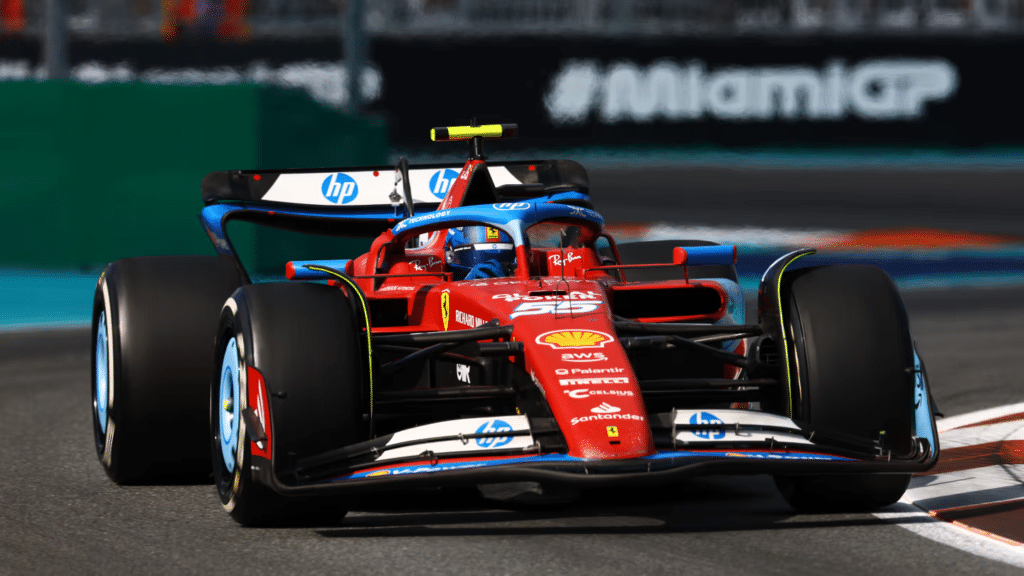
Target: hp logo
x,y
512,206
707,418
340,187
441,181
492,426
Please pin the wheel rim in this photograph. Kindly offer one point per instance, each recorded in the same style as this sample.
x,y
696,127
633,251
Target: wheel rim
x,y
228,405
102,373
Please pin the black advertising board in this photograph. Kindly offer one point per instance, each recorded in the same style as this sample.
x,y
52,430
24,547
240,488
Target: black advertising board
x,y
735,92
925,91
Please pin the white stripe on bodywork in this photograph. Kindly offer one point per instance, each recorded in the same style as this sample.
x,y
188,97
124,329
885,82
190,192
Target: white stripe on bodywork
x,y
691,437
372,190
742,417
501,176
728,433
465,426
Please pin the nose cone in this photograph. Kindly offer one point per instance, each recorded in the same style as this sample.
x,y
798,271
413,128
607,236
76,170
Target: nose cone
x,y
591,389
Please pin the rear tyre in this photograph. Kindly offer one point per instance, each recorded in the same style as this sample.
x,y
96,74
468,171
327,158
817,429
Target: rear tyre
x,y
660,252
303,341
152,324
851,360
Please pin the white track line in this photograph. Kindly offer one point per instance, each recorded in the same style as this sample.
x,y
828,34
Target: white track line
x,y
982,485
980,416
908,516
985,485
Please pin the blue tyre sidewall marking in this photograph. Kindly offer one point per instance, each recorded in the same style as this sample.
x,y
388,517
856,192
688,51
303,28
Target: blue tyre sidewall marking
x,y
102,372
229,405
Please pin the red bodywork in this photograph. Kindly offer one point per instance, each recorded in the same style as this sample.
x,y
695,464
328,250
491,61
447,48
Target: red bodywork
x,y
560,312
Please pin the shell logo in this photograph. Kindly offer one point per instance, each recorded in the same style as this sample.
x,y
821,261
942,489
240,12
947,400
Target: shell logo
x,y
575,339
379,473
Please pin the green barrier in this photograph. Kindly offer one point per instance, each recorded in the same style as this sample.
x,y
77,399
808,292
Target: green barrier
x,y
89,174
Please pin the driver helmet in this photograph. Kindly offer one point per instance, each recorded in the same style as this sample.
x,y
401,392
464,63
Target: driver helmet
x,y
470,246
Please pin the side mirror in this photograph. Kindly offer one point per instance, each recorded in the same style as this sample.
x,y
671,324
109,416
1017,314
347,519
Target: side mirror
x,y
704,255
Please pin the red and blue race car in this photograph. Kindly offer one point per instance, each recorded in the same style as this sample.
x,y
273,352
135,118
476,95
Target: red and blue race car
x,y
493,332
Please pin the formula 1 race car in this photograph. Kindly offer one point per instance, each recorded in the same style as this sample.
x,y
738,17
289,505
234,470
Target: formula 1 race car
x,y
492,333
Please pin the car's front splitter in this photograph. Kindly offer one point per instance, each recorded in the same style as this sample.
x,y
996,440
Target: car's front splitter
x,y
660,468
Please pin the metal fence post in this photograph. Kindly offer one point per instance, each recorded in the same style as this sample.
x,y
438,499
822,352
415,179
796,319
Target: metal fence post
x,y
355,48
55,40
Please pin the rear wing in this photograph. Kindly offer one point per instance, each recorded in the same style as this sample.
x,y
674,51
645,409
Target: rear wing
x,y
360,202
371,187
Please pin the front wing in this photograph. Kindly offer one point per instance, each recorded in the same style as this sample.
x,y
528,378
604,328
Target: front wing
x,y
503,449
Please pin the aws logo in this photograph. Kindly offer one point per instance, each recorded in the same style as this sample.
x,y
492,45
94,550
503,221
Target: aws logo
x,y
584,357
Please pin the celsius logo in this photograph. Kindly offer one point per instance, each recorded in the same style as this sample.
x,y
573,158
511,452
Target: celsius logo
x,y
491,427
878,89
441,181
339,186
707,419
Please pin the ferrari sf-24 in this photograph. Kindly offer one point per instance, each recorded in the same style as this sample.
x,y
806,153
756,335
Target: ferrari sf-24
x,y
493,332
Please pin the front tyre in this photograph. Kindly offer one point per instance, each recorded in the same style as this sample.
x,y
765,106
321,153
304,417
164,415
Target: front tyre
x,y
851,363
288,358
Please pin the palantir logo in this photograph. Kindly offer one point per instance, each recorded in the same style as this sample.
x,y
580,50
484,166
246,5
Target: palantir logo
x,y
441,181
339,187
491,427
707,419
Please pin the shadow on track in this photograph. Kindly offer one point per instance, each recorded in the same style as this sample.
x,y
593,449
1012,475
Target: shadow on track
x,y
715,504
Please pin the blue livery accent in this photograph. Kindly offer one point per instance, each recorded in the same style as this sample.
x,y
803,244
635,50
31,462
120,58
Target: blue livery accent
x,y
512,222
442,181
214,217
746,453
400,470
303,273
404,469
340,187
229,408
736,309
709,255
102,371
922,405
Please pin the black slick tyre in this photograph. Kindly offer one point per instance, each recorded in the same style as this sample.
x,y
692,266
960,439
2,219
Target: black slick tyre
x,y
154,319
851,358
301,340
